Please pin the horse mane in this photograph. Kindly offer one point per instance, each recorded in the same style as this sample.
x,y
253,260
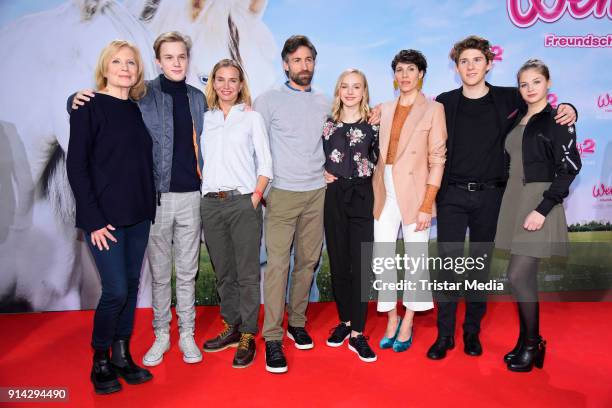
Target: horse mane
x,y
149,10
234,41
89,8
54,185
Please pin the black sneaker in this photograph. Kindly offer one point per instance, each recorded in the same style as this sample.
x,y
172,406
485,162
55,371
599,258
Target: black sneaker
x,y
340,333
359,344
275,359
300,336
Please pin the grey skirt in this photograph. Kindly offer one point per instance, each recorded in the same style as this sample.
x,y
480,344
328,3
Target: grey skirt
x,y
519,200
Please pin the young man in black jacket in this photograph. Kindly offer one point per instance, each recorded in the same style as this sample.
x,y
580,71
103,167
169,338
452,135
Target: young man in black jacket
x,y
478,117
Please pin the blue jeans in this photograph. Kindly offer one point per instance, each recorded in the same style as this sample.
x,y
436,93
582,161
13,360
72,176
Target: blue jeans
x,y
119,270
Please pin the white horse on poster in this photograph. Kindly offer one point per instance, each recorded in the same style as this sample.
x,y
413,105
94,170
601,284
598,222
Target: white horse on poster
x,y
219,29
47,56
50,55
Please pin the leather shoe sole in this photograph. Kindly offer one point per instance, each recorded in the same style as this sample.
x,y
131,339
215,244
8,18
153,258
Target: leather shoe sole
x,y
105,388
136,379
214,350
472,352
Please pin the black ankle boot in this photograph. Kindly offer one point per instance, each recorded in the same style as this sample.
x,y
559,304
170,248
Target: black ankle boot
x,y
517,348
124,365
103,376
532,354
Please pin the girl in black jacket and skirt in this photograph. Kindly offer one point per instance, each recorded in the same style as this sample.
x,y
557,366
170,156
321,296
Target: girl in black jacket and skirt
x,y
544,161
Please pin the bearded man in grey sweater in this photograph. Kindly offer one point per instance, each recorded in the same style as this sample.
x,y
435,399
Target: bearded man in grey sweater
x,y
294,114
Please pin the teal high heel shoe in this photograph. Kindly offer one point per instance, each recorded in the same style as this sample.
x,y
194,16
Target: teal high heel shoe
x,y
386,342
399,346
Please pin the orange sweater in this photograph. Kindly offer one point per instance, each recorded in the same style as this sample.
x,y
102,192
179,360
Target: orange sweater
x,y
399,117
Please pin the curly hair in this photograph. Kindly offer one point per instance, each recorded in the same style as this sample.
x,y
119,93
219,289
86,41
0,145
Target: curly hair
x,y
410,57
473,42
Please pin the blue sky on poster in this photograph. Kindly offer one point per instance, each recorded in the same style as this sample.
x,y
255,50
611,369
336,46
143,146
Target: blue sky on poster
x,y
366,35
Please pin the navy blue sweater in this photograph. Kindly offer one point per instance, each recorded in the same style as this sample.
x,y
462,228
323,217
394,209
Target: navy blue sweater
x,y
183,176
110,164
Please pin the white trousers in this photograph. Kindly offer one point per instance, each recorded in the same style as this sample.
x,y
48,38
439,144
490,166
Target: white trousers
x,y
415,245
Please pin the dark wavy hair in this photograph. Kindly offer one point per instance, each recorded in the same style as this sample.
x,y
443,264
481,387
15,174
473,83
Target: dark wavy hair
x,y
410,57
296,41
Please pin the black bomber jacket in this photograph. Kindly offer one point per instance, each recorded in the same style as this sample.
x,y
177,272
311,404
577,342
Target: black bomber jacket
x,y
549,155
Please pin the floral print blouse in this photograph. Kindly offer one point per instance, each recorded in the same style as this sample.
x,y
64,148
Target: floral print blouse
x,y
351,149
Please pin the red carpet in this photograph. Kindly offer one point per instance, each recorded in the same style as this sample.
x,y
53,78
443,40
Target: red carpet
x,y
51,349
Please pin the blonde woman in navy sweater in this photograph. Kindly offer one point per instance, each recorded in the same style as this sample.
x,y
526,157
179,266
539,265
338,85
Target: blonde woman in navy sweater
x,y
110,171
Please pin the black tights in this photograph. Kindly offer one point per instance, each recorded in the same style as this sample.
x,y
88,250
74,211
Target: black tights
x,y
523,277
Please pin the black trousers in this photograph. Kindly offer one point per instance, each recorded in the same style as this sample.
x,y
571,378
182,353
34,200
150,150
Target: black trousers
x,y
459,210
349,222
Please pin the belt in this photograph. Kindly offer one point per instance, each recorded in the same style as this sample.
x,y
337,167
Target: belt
x,y
479,186
351,186
222,195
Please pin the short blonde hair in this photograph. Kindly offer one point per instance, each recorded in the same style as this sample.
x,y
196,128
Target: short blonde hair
x,y
171,36
364,105
138,90
244,96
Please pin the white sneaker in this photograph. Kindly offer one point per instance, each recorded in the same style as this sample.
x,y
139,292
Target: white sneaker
x,y
191,352
155,355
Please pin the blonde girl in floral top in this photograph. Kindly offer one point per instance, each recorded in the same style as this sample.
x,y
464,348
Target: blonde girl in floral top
x,y
351,152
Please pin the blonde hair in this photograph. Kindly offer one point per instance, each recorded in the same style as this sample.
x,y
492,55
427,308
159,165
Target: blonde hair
x,y
364,107
244,96
171,36
138,90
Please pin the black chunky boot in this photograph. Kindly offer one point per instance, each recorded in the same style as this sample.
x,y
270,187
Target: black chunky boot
x,y
517,348
519,342
124,365
532,354
103,376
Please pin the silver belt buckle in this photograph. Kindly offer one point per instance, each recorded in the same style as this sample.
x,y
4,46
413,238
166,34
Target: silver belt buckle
x,y
472,186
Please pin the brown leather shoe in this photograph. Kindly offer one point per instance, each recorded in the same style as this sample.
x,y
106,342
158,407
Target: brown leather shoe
x,y
245,354
228,337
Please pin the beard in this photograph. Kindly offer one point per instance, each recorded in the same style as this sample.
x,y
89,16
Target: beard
x,y
302,78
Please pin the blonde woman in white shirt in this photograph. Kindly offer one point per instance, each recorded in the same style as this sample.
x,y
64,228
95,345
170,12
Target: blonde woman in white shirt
x,y
237,168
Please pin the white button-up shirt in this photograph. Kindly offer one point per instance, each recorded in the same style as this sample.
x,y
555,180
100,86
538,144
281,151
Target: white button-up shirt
x,y
235,149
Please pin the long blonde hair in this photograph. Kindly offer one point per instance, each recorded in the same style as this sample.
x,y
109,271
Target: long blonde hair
x,y
244,96
138,90
364,107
